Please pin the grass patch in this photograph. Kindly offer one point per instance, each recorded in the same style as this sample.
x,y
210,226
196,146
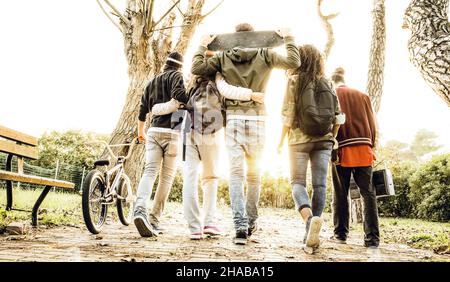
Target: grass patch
x,y
58,208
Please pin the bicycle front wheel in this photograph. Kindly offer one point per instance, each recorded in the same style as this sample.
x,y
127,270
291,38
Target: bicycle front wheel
x,y
94,208
125,201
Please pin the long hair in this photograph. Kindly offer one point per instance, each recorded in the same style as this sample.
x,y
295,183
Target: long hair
x,y
311,70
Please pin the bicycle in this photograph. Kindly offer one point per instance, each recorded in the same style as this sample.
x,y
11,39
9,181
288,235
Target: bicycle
x,y
103,188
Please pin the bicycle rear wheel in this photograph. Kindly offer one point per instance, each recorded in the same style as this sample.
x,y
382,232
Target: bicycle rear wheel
x,y
125,201
94,208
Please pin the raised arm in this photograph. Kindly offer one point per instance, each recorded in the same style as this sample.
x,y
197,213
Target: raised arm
x,y
201,65
292,58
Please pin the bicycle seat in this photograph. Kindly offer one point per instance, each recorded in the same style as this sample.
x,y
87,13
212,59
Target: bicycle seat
x,y
101,162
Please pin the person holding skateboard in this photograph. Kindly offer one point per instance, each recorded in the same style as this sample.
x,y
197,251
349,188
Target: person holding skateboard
x,y
245,126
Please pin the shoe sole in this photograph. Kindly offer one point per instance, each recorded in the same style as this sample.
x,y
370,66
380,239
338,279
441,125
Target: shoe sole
x,y
239,241
211,232
313,238
143,229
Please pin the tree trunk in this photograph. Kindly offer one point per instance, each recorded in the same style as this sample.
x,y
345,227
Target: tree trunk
x,y
146,49
325,19
377,55
429,45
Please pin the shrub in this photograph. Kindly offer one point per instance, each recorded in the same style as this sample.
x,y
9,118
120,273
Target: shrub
x,y
399,205
430,189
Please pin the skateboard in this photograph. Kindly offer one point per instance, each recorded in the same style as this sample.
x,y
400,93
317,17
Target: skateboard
x,y
246,39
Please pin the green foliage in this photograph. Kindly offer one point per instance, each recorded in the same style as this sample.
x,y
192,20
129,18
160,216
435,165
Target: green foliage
x,y
430,189
72,147
424,143
399,205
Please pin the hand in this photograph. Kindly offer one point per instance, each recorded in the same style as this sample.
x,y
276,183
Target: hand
x,y
206,40
280,148
258,97
219,76
141,138
209,53
284,32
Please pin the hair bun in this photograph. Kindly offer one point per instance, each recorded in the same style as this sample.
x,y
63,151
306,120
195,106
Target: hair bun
x,y
339,71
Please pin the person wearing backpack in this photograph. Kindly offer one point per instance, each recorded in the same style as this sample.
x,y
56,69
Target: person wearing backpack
x,y
206,107
355,157
161,144
311,118
245,126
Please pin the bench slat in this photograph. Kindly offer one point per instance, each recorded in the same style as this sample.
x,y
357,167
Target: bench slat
x,y
17,136
18,150
12,176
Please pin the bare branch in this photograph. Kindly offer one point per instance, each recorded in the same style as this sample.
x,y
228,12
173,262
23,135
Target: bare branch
x,y
150,16
169,27
328,27
213,9
109,17
178,8
166,13
126,21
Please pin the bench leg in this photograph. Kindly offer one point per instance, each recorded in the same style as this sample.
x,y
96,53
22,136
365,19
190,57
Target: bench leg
x,y
38,203
9,191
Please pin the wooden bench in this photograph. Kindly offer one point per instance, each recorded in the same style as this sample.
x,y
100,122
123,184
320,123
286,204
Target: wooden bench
x,y
22,146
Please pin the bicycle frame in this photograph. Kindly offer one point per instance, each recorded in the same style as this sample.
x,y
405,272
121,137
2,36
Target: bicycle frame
x,y
112,188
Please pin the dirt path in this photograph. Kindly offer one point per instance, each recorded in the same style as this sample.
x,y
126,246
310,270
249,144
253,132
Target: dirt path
x,y
279,239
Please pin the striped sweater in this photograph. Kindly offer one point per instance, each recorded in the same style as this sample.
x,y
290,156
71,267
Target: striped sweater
x,y
360,124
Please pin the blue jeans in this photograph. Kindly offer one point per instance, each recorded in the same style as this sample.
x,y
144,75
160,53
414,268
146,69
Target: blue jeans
x,y
318,153
245,143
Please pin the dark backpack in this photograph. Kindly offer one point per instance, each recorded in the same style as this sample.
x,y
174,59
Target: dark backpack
x,y
318,108
206,107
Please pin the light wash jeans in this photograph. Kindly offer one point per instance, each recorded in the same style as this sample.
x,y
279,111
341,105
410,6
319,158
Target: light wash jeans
x,y
204,150
160,157
319,153
245,143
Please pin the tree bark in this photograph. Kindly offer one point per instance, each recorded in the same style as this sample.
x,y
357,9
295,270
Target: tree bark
x,y
146,48
375,80
429,45
325,19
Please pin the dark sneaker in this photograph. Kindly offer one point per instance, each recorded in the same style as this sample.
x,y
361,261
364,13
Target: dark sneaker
x,y
241,238
370,244
338,240
252,229
155,224
313,235
143,226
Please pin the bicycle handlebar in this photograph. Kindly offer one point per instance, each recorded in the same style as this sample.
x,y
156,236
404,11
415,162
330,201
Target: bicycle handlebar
x,y
108,147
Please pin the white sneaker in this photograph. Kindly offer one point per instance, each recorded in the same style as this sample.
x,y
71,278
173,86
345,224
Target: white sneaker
x,y
212,230
196,236
313,236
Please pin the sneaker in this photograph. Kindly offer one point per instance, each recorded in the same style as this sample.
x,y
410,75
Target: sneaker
x,y
155,224
143,226
313,235
308,224
371,245
241,238
212,230
196,236
338,240
252,229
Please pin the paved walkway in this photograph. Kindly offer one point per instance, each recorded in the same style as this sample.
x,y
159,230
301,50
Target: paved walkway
x,y
279,239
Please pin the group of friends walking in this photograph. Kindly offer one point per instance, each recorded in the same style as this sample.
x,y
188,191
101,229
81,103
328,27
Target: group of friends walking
x,y
323,121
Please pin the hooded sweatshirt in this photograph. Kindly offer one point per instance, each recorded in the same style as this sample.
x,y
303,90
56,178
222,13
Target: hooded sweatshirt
x,y
162,88
246,67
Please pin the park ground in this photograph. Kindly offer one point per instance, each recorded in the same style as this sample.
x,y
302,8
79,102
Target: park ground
x,y
61,236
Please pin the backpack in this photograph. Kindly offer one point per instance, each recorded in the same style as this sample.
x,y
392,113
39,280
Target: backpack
x,y
318,105
206,107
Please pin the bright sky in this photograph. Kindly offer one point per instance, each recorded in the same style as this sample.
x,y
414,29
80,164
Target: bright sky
x,y
63,66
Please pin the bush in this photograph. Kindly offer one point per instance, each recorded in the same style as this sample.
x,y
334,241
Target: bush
x,y
400,204
430,189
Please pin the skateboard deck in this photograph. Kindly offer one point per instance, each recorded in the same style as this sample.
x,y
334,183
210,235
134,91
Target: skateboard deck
x,y
246,39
